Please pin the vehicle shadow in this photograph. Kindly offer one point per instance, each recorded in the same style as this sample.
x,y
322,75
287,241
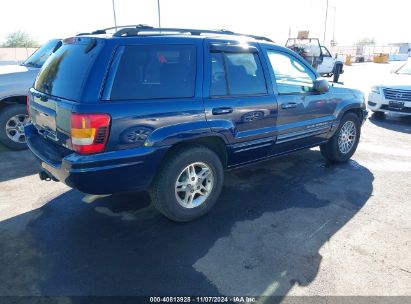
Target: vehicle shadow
x,y
394,123
27,164
262,237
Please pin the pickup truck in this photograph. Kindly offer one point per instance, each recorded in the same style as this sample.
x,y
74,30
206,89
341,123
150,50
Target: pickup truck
x,y
318,56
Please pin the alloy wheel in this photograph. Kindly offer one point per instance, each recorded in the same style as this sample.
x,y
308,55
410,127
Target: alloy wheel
x,y
194,185
15,127
347,136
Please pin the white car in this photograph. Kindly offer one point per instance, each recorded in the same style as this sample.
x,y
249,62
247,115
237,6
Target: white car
x,y
394,95
15,81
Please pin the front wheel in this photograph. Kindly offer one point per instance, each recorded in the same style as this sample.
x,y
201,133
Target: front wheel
x,y
344,142
188,183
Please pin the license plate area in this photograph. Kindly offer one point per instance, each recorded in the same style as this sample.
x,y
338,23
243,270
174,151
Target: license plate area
x,y
44,121
45,124
396,105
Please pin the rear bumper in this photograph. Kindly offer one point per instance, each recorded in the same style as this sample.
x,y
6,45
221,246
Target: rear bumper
x,y
102,173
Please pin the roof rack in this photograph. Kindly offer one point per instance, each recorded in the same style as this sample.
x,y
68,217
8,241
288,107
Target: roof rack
x,y
135,30
104,31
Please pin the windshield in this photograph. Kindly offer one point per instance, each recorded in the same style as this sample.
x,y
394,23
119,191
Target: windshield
x,y
38,58
405,69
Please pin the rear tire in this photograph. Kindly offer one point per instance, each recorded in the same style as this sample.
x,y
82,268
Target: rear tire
x,y
183,189
344,142
12,118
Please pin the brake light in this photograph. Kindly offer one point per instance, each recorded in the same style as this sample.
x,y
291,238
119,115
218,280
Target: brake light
x,y
89,132
69,40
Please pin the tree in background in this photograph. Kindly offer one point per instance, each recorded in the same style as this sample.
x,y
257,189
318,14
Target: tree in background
x,y
20,39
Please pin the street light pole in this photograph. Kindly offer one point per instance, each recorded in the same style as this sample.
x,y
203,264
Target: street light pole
x,y
159,16
114,14
325,23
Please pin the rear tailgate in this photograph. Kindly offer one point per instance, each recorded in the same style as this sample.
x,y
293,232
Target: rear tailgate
x,y
52,117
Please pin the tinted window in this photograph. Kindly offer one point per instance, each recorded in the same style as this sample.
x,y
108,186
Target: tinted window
x,y
153,71
38,58
291,76
65,72
243,72
218,76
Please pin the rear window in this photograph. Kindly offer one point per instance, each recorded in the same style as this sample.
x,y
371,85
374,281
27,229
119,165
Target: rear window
x,y
152,72
65,72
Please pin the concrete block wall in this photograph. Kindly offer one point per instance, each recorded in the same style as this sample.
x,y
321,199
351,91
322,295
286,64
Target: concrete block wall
x,y
15,55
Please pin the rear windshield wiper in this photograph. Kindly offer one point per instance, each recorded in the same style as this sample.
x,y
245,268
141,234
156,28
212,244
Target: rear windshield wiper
x,y
91,45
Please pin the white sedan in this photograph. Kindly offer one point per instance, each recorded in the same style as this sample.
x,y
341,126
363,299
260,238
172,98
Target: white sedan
x,y
394,95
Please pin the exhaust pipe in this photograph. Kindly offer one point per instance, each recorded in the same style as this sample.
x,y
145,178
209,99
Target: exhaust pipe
x,y
46,176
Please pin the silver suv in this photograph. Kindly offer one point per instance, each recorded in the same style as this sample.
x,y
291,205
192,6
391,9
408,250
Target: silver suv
x,y
15,81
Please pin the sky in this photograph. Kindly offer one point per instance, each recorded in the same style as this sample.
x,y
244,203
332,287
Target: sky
x,y
354,19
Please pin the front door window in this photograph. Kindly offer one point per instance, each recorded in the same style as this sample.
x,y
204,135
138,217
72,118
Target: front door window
x,y
290,75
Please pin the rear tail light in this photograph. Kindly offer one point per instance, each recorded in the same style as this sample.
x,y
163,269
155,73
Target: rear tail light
x,y
89,132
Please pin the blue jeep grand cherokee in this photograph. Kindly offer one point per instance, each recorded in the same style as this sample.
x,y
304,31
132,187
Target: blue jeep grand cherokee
x,y
169,111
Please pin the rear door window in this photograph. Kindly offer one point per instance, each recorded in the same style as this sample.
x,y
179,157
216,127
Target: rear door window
x,y
152,72
236,74
218,75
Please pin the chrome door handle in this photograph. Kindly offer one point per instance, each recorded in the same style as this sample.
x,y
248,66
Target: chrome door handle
x,y
289,105
223,110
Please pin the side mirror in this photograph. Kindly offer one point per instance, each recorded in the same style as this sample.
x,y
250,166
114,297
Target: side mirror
x,y
321,86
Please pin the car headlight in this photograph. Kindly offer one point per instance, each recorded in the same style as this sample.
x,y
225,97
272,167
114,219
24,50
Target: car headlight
x,y
375,89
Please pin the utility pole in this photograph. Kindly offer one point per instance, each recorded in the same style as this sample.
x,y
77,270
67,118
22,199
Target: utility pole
x,y
335,13
159,16
114,13
325,23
